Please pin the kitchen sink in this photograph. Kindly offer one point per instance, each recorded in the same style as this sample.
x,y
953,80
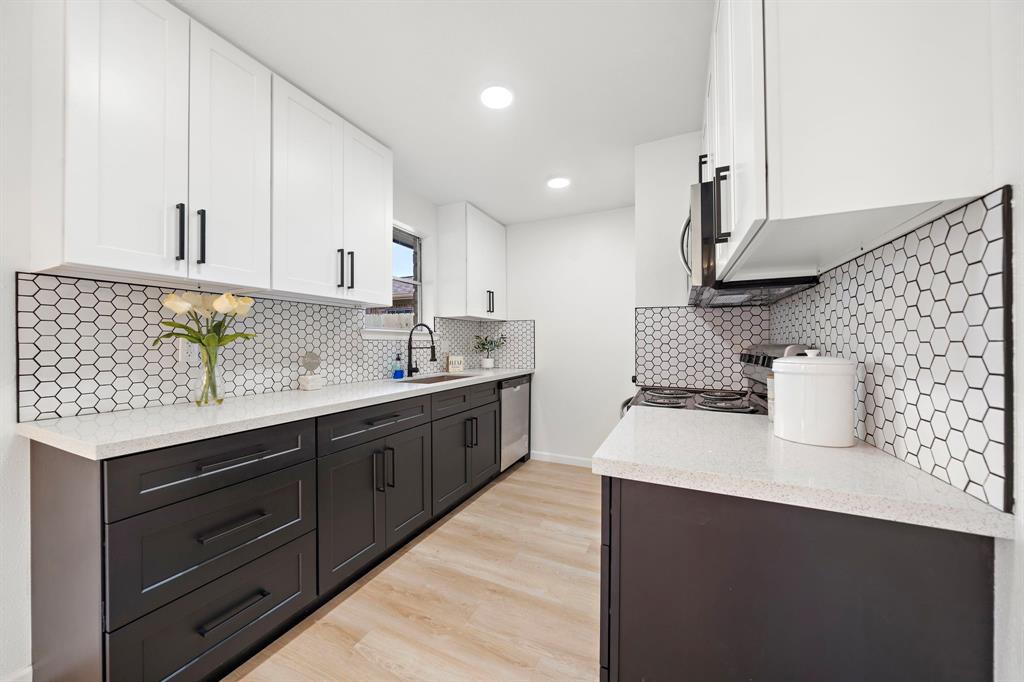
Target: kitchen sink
x,y
436,378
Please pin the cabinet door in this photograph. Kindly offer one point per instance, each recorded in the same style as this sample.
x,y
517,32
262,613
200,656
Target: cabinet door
x,y
451,478
126,165
307,195
229,163
484,455
407,483
485,265
748,170
369,221
350,512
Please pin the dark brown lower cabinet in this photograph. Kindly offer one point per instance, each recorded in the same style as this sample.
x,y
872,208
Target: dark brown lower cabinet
x,y
451,475
178,563
371,497
485,453
194,637
466,454
698,586
350,512
407,483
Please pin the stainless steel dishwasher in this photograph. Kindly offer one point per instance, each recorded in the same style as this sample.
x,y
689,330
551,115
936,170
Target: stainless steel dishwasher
x,y
515,420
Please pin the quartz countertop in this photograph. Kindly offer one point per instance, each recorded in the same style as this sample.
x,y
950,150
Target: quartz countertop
x,y
736,454
101,436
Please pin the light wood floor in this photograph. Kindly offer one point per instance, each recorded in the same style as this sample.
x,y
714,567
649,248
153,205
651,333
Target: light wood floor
x,y
504,589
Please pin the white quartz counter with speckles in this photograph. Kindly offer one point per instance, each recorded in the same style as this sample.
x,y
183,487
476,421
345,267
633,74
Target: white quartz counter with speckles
x,y
736,454
101,436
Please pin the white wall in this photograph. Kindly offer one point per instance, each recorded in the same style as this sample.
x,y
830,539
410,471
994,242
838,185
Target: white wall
x,y
665,169
15,213
1008,60
574,276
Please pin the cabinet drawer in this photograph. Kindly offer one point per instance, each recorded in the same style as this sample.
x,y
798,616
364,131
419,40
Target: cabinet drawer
x,y
196,636
461,399
345,429
138,483
160,555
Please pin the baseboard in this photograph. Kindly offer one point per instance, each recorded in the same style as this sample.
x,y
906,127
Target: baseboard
x,y
23,675
572,460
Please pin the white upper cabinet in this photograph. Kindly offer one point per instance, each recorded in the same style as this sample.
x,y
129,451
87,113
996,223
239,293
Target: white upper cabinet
x,y
308,237
847,124
471,264
126,137
368,217
333,204
229,164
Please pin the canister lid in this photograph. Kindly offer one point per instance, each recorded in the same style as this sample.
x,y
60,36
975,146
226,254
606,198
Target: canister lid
x,y
814,365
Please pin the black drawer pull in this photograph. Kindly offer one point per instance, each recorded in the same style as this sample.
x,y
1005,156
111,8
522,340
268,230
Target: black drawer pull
x,y
202,236
211,467
468,435
181,231
224,532
212,625
389,466
383,421
476,432
378,484
351,269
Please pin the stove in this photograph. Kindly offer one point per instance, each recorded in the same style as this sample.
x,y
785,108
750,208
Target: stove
x,y
757,362
713,400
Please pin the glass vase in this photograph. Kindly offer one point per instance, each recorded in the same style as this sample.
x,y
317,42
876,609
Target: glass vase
x,y
208,384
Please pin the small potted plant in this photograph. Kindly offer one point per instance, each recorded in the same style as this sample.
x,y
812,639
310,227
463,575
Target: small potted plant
x,y
487,345
211,317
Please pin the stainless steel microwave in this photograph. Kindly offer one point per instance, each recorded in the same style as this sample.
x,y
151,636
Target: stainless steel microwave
x,y
701,234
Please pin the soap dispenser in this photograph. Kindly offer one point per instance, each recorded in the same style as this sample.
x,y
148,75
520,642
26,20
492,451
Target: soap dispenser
x,y
396,367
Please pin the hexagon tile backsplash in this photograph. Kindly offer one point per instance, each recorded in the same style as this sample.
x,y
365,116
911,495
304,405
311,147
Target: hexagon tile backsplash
x,y
83,347
696,347
924,317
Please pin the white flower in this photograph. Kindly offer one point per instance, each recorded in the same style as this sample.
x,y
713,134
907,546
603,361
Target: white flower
x,y
177,304
243,306
225,304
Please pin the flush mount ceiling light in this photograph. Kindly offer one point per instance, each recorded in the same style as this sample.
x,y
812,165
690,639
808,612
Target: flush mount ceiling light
x,y
496,97
559,183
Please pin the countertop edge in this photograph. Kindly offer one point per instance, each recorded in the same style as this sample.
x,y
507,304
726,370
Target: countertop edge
x,y
994,524
37,431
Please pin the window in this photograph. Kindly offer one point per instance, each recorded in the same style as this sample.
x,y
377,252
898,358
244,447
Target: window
x,y
405,286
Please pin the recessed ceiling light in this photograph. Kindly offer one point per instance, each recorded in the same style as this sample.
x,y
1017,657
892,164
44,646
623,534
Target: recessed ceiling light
x,y
559,183
496,97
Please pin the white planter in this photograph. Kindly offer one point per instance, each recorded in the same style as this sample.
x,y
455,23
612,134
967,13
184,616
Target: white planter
x,y
814,400
487,363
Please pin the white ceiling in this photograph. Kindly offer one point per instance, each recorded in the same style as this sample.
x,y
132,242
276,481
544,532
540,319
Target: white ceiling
x,y
591,79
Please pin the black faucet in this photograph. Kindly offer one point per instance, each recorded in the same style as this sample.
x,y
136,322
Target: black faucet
x,y
433,350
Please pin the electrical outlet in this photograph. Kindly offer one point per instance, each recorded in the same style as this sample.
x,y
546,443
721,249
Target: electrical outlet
x,y
188,354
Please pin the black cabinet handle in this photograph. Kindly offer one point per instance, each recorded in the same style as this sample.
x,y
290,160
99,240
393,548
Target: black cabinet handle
x,y
721,175
222,533
341,265
212,625
181,231
702,161
389,466
476,432
351,269
202,236
468,435
212,467
383,421
490,301
378,482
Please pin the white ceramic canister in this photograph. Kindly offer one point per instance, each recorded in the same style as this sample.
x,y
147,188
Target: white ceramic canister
x,y
814,400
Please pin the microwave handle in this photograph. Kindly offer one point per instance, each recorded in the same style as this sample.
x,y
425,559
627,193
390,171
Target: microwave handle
x,y
684,246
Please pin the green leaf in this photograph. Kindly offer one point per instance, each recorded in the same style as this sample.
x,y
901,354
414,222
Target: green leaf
x,y
234,337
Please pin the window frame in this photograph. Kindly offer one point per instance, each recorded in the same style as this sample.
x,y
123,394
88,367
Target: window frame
x,y
406,238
